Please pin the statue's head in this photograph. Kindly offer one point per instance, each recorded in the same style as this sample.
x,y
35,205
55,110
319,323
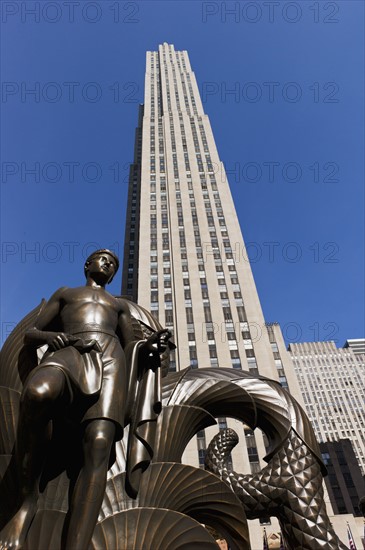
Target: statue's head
x,y
106,258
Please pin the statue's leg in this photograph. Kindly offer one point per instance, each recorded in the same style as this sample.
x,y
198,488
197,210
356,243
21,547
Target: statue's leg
x,y
42,394
90,486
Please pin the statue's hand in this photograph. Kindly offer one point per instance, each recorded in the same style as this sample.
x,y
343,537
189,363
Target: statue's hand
x,y
158,342
59,340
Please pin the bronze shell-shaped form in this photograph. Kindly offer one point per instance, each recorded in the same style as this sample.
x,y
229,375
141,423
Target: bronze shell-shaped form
x,y
149,529
191,491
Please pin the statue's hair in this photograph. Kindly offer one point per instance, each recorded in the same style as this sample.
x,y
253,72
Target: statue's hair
x,y
98,253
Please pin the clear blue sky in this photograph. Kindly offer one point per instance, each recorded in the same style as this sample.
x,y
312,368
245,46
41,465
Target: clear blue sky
x,y
293,131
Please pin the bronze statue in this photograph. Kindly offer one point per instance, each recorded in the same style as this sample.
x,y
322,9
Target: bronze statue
x,y
84,378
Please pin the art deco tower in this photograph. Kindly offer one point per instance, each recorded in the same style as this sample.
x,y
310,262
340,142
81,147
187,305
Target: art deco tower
x,y
183,237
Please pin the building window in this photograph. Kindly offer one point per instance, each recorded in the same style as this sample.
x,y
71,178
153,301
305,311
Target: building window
x,y
169,318
189,315
201,455
207,314
241,314
227,313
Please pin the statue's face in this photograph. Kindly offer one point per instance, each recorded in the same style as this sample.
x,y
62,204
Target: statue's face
x,y
102,264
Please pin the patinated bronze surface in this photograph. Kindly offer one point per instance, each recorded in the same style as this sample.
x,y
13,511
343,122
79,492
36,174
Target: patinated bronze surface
x,y
290,487
92,365
85,365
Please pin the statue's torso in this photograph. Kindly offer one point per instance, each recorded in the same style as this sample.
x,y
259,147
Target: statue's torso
x,y
87,308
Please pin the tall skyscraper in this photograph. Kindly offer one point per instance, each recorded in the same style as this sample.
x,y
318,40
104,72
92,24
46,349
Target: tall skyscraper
x,y
183,237
183,233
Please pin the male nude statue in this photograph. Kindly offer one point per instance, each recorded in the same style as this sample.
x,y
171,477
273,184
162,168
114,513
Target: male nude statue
x,y
85,369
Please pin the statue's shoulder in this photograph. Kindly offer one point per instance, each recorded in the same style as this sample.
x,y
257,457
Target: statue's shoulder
x,y
60,295
141,314
122,302
61,291
120,299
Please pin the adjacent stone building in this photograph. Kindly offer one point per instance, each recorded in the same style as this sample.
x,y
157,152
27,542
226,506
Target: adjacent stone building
x,y
332,383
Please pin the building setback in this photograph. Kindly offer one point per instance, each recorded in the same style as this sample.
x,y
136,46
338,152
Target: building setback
x,y
357,345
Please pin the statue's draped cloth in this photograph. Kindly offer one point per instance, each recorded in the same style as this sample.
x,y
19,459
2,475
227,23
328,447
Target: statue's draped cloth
x,y
105,381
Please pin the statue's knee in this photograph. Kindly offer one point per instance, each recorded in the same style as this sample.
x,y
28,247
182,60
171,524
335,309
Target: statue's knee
x,y
36,393
97,442
44,387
